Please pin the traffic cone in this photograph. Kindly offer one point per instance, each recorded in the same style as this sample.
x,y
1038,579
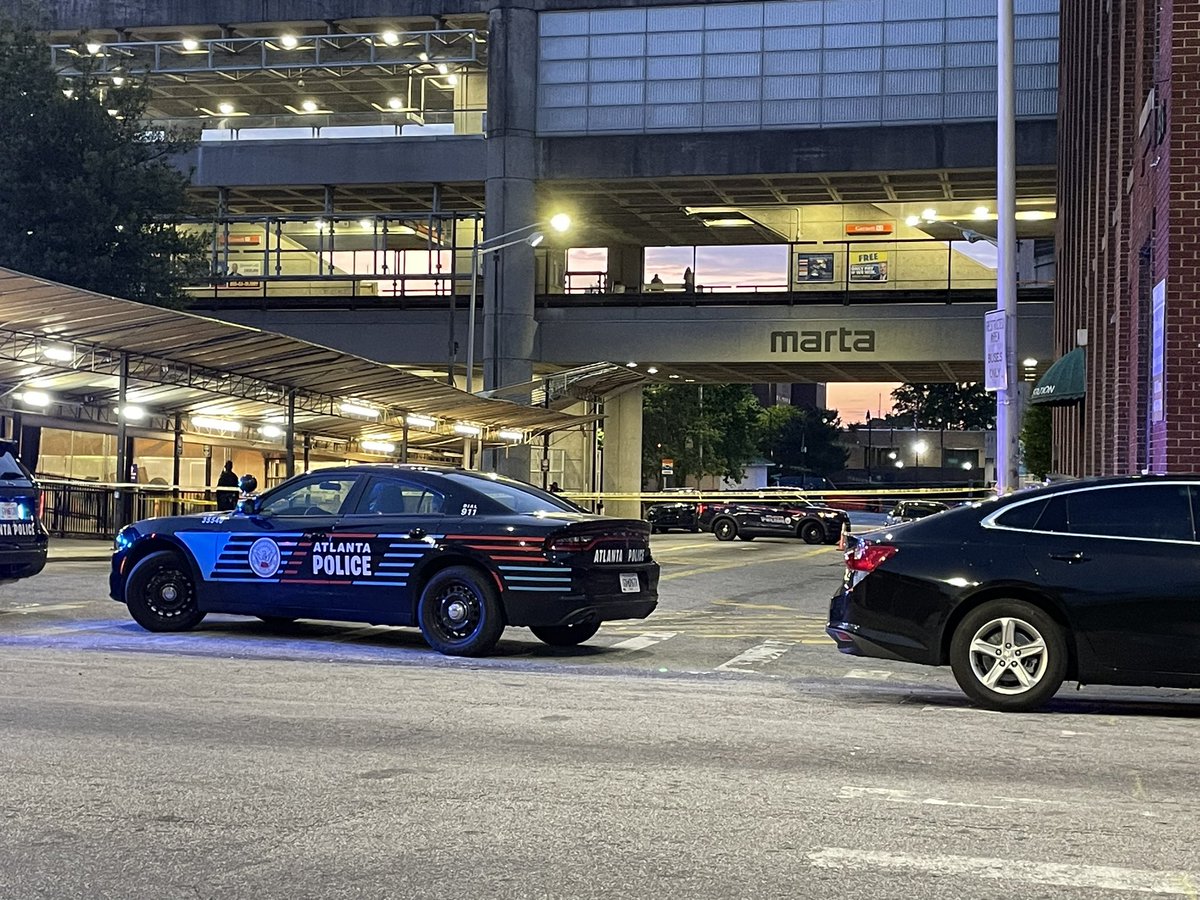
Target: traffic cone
x,y
844,535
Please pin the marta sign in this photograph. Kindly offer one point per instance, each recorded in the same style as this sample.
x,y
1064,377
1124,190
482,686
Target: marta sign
x,y
995,359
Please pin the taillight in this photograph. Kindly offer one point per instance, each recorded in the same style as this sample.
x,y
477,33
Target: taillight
x,y
568,544
869,557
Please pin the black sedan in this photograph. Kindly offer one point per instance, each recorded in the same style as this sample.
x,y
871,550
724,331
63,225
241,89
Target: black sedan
x,y
790,517
1094,581
911,510
679,514
460,554
23,537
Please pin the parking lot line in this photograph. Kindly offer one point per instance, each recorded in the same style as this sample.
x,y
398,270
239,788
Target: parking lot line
x,y
642,641
760,655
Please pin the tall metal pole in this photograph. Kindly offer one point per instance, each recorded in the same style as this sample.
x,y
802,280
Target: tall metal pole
x,y
1007,399
471,318
122,442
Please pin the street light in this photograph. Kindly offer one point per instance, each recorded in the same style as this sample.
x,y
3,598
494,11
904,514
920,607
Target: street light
x,y
559,222
918,448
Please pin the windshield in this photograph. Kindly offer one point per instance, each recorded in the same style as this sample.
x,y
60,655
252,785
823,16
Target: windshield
x,y
513,495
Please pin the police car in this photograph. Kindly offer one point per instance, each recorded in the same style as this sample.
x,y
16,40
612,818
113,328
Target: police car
x,y
459,554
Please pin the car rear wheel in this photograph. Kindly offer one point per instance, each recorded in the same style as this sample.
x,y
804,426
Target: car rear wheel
x,y
565,635
812,533
725,529
161,594
459,612
1009,655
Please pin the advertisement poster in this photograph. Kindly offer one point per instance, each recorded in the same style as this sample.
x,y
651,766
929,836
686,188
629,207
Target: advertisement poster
x,y
868,265
814,267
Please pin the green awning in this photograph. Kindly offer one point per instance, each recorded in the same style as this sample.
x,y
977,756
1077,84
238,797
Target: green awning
x,y
1064,382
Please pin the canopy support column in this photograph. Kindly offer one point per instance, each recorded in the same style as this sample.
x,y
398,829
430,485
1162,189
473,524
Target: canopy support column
x,y
122,439
290,435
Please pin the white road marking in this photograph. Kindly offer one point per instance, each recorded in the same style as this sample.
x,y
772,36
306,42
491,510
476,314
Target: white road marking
x,y
25,609
766,652
1111,878
868,673
642,641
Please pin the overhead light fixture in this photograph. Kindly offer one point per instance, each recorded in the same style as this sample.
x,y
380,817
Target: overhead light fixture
x,y
1035,215
68,93
366,224
357,409
289,42
727,223
560,222
443,69
321,224
378,446
118,80
912,221
93,48
507,435
690,380
423,56
1029,363
225,108
61,354
134,413
309,106
672,376
216,424
631,365
390,38
929,214
468,430
652,370
271,431
968,465
899,464
395,103
420,421
191,45
981,212
35,398
534,239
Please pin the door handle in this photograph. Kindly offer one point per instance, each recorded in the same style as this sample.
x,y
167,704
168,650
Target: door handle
x,y
1070,558
416,533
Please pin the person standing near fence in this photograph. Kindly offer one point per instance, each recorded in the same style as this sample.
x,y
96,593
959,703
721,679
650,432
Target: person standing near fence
x,y
227,499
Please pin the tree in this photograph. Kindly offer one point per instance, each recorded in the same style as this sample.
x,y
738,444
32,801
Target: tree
x,y
1036,441
706,429
91,197
802,440
950,406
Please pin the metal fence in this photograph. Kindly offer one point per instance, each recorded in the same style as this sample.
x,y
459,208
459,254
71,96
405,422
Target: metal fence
x,y
92,510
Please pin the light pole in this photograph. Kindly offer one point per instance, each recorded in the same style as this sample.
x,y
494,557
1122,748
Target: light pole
x,y
918,448
1007,412
560,222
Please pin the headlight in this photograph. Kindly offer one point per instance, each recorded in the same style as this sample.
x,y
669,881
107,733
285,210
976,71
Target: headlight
x,y
829,515
125,538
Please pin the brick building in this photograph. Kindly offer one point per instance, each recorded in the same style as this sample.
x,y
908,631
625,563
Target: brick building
x,y
1128,237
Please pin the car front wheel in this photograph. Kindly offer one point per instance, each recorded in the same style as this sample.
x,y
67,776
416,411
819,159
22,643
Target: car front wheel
x,y
459,612
725,529
564,635
812,533
161,594
1009,655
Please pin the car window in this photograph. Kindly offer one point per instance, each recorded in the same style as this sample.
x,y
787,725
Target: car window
x,y
392,497
513,496
13,471
310,497
1161,511
1023,516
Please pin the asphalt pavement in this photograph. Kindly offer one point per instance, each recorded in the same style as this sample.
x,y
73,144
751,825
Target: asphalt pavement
x,y
720,749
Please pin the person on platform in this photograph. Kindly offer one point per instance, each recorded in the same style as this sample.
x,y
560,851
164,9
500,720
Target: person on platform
x,y
227,499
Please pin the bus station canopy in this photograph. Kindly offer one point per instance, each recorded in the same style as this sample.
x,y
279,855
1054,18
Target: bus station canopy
x,y
63,351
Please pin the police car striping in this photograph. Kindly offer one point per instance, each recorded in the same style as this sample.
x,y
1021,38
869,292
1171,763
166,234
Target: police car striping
x,y
459,554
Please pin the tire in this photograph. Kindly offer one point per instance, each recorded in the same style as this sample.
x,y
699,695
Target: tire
x,y
565,635
725,529
161,593
979,655
745,537
459,612
812,533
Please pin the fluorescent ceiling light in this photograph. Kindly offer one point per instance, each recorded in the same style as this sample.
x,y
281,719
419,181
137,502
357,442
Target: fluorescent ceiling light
x,y
62,354
727,223
216,424
271,431
421,421
356,409
506,435
378,446
1035,215
191,45
35,398
135,413
469,430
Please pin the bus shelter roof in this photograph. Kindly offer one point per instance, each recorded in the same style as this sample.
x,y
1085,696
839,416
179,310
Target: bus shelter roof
x,y
67,346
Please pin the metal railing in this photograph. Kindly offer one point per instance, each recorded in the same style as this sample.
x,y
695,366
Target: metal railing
x,y
83,509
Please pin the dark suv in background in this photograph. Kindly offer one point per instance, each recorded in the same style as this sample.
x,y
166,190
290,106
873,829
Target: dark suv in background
x,y
23,537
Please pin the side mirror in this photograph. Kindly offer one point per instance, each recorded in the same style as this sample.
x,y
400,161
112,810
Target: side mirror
x,y
248,484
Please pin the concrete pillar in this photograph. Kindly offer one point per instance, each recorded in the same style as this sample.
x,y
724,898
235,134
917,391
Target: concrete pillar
x,y
623,451
626,266
510,330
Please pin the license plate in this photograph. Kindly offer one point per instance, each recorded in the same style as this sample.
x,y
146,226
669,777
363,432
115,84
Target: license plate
x,y
10,511
629,584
